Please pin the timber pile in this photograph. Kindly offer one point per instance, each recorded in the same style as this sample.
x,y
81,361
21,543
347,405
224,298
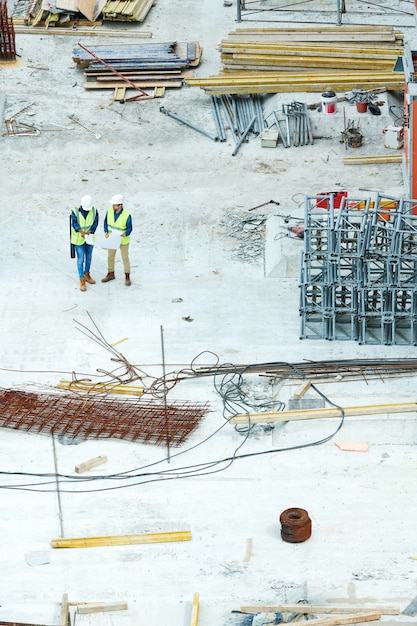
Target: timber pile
x,y
273,60
164,64
75,13
127,10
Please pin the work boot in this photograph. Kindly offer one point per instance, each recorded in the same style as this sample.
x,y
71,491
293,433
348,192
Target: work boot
x,y
82,285
110,276
88,279
127,280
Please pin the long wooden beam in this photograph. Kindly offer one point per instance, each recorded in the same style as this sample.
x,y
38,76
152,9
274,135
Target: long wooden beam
x,y
338,620
90,32
371,159
121,540
306,414
318,609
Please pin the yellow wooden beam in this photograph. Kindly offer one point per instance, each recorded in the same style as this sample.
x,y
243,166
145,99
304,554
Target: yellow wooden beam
x,y
92,387
121,540
305,414
364,160
195,610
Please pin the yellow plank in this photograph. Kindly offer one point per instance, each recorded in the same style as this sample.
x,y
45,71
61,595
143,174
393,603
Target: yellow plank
x,y
121,540
389,158
195,609
318,609
305,414
91,387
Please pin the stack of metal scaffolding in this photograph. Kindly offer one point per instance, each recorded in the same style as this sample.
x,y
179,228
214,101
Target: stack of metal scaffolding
x,y
358,278
7,35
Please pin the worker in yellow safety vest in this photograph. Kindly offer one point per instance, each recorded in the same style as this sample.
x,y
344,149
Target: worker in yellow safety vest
x,y
84,222
118,221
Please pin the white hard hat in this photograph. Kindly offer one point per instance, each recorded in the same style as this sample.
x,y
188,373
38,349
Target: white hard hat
x,y
117,199
87,203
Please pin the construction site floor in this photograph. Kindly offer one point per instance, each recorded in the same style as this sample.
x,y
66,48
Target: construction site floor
x,y
208,288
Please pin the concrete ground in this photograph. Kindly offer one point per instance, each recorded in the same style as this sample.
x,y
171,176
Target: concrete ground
x,y
209,284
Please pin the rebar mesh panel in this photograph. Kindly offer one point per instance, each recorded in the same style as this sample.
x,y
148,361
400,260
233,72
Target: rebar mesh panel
x,y
89,417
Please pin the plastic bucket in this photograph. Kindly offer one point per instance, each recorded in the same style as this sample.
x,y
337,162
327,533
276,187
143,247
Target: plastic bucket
x,y
328,102
361,107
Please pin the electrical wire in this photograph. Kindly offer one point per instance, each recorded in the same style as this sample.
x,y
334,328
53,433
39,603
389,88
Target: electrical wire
x,y
235,399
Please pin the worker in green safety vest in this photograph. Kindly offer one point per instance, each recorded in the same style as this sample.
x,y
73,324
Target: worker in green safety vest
x,y
84,222
118,220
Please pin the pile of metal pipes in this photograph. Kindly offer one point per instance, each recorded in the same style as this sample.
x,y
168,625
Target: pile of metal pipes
x,y
358,278
240,115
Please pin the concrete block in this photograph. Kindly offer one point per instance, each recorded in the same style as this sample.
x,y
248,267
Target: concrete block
x,y
269,138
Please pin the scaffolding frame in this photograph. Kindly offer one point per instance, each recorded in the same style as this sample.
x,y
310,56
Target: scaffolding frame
x,y
358,275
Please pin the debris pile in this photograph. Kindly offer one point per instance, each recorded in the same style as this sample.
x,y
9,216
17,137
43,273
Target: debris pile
x,y
249,230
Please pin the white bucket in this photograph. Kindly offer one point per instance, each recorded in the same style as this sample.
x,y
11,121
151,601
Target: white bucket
x,y
328,102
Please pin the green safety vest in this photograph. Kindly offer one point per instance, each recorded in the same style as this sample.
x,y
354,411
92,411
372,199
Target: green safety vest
x,y
120,225
85,223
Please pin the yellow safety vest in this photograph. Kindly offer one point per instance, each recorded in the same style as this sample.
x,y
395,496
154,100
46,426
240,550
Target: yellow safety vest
x,y
85,223
119,225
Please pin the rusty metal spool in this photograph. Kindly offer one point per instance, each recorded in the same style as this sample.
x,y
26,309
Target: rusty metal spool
x,y
295,525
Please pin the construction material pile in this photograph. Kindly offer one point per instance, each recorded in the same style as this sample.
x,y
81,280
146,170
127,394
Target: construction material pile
x,y
76,13
165,64
276,60
358,277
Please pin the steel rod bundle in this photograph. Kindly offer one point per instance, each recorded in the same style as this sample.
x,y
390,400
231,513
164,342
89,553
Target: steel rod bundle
x,y
7,35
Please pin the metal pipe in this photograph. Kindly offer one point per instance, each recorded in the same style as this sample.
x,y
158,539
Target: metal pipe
x,y
187,123
243,137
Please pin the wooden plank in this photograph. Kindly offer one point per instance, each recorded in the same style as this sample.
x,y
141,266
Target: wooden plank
x,y
91,387
65,616
121,540
364,160
302,390
91,8
324,413
142,83
100,607
318,609
30,30
87,465
195,610
340,620
119,94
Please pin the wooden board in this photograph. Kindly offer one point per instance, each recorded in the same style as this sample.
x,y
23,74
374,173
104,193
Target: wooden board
x,y
87,465
319,609
100,607
91,8
121,540
303,414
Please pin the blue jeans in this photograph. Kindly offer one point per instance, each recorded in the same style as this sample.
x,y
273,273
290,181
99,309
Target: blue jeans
x,y
84,254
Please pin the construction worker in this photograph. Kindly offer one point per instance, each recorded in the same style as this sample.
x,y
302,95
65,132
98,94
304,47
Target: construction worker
x,y
84,221
118,220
